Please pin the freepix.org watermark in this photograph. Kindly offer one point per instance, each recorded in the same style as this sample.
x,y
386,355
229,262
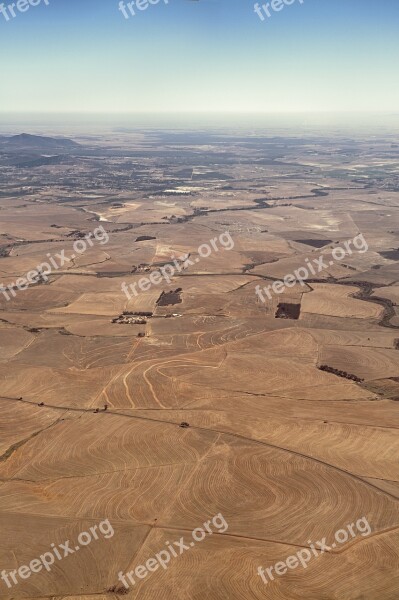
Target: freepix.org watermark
x,y
302,274
128,9
181,263
42,271
303,556
275,5
58,552
176,549
22,6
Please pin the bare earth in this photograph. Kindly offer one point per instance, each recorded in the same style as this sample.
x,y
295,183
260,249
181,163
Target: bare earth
x,y
285,451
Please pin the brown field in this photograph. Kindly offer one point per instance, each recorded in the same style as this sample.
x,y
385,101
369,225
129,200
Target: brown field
x,y
287,452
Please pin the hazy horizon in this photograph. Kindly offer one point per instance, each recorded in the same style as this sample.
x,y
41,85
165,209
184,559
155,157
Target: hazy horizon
x,y
273,123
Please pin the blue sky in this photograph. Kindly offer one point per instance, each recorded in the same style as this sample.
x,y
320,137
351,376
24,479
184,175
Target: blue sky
x,y
206,56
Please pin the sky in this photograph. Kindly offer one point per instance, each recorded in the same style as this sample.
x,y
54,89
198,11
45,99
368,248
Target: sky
x,y
211,56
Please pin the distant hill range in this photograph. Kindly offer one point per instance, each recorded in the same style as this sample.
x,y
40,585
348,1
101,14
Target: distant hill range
x,y
25,141
28,151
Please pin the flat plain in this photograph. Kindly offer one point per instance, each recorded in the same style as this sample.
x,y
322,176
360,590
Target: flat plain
x,y
216,402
